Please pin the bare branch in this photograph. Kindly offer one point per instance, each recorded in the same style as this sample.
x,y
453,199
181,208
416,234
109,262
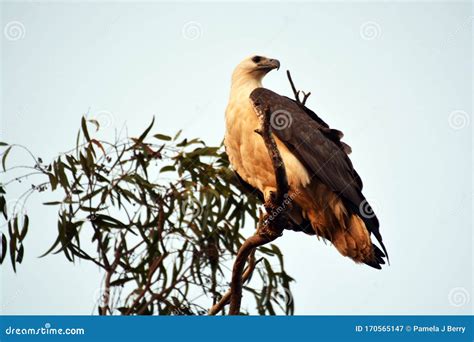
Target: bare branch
x,y
296,92
216,308
305,97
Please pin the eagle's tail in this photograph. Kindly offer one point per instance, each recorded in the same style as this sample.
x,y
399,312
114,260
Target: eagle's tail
x,y
347,232
354,241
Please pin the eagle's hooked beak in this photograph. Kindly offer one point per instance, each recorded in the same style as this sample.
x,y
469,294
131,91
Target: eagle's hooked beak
x,y
269,64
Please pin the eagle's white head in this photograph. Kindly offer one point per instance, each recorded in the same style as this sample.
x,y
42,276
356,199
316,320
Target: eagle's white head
x,y
251,70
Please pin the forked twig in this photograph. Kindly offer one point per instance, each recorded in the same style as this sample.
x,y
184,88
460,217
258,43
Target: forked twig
x,y
297,92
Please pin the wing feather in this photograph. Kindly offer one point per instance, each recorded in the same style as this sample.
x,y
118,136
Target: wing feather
x,y
320,149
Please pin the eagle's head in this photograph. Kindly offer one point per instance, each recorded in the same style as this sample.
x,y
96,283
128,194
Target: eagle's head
x,y
255,67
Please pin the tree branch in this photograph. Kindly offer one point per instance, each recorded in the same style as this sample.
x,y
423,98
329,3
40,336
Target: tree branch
x,y
110,271
270,225
216,308
154,266
297,92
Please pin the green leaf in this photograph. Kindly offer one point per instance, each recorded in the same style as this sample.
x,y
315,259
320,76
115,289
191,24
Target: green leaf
x,y
53,246
95,123
24,230
177,134
4,158
3,207
19,256
84,129
92,194
187,142
109,221
52,203
120,281
132,208
53,181
62,175
13,251
15,226
167,168
162,137
144,134
4,248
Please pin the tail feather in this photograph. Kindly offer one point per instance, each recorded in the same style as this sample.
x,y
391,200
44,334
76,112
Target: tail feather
x,y
371,221
351,238
367,214
346,225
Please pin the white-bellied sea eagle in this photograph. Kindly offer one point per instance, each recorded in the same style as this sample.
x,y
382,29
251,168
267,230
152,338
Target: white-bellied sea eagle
x,y
325,189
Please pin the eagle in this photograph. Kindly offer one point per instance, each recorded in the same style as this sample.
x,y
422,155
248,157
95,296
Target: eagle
x,y
325,190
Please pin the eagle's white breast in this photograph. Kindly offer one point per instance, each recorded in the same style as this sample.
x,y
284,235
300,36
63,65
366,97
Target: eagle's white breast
x,y
246,149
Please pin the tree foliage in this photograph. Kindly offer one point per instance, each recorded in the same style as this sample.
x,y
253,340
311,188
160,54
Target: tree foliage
x,y
161,216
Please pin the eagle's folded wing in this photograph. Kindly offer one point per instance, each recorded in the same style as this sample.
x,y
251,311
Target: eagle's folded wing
x,y
319,148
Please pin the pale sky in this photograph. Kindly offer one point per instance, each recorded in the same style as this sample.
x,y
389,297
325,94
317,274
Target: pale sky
x,y
395,77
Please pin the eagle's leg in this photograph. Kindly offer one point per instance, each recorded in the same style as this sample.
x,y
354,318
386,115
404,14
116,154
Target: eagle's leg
x,y
269,195
277,217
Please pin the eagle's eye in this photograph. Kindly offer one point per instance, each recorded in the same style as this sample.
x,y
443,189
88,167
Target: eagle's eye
x,y
256,59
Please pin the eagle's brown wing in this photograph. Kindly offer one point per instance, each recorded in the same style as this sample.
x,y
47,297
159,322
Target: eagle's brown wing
x,y
320,150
